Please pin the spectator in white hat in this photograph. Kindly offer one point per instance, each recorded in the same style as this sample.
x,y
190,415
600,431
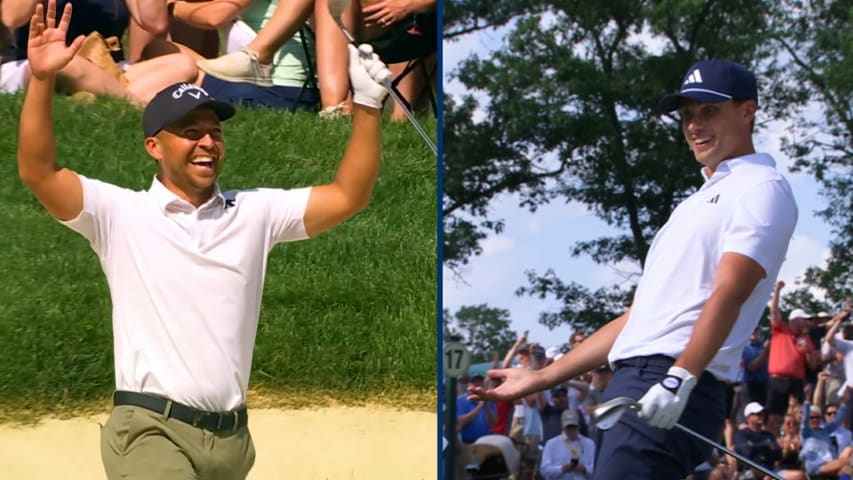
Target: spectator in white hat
x,y
756,443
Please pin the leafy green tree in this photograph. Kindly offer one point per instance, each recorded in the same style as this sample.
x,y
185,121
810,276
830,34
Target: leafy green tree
x,y
483,329
817,39
564,111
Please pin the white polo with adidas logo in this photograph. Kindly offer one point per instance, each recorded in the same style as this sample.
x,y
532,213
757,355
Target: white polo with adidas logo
x,y
746,207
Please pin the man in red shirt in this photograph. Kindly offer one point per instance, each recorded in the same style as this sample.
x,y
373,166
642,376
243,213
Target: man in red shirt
x,y
791,352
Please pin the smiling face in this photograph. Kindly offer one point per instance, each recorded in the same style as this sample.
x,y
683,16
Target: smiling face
x,y
717,131
189,153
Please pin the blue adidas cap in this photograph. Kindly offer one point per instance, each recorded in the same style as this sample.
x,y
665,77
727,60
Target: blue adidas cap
x,y
177,100
713,81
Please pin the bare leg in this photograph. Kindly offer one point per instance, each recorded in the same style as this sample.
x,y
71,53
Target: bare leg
x,y
287,19
332,59
81,75
151,15
411,88
205,42
141,43
149,77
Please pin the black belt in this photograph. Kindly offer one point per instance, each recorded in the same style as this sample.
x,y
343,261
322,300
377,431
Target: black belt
x,y
660,361
212,421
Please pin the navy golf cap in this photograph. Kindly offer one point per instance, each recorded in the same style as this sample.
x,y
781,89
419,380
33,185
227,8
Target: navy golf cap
x,y
175,101
713,81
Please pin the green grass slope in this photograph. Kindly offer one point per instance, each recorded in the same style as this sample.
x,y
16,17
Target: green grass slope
x,y
348,316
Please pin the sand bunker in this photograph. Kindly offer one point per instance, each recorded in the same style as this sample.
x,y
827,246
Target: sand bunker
x,y
338,443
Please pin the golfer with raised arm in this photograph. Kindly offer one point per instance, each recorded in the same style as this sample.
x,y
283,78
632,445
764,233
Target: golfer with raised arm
x,y
185,261
707,278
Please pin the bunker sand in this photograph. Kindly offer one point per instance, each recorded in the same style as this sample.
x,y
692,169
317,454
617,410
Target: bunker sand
x,y
334,443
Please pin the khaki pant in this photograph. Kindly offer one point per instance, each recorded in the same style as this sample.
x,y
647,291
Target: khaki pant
x,y
140,444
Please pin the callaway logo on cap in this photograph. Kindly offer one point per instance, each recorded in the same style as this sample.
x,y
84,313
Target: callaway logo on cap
x,y
713,81
177,100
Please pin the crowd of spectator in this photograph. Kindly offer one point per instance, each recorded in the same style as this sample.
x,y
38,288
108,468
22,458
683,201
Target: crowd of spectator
x,y
789,410
280,54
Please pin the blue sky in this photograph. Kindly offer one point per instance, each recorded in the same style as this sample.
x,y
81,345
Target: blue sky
x,y
542,240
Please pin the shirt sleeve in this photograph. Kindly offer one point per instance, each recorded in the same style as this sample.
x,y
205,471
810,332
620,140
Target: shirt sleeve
x,y
100,201
588,456
286,210
762,225
550,466
841,344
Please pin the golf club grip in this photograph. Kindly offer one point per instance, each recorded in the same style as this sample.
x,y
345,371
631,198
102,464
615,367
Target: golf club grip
x,y
409,114
738,456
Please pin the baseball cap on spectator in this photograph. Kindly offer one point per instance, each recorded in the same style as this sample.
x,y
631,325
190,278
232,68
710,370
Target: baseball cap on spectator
x,y
175,101
752,408
799,313
569,417
551,352
713,81
538,351
476,378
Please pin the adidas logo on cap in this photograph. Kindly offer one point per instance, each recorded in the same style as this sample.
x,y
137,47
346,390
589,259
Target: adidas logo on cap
x,y
694,77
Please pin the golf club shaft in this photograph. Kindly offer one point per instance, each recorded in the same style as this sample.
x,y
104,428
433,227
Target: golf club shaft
x,y
394,95
738,456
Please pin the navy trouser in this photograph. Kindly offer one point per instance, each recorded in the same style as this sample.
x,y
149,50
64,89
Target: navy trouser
x,y
634,449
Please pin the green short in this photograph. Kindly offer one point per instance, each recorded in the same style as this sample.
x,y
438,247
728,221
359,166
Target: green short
x,y
140,444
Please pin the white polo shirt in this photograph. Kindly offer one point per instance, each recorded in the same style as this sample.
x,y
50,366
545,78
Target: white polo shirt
x,y
186,283
746,207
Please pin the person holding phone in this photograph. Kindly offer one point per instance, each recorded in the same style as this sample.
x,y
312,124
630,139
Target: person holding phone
x,y
570,455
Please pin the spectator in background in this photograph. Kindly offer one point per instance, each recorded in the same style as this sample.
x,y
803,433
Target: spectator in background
x,y
791,353
791,443
600,378
578,386
503,408
755,375
474,419
253,62
844,345
552,413
403,32
819,454
532,420
833,366
755,443
288,75
570,455
98,74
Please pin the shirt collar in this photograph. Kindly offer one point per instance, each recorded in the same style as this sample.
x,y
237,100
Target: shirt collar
x,y
164,198
727,166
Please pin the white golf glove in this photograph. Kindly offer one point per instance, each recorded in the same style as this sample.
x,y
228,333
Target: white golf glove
x,y
367,74
663,404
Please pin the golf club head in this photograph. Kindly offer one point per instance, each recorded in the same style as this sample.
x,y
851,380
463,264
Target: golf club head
x,y
608,413
336,8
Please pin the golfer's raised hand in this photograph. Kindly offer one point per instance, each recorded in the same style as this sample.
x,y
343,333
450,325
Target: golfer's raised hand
x,y
368,76
46,49
515,383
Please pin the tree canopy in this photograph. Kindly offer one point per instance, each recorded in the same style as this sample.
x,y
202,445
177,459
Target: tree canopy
x,y
563,111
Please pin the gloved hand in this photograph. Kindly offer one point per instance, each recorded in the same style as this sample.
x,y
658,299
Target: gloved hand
x,y
662,405
367,75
